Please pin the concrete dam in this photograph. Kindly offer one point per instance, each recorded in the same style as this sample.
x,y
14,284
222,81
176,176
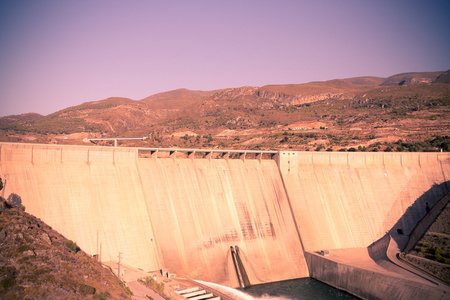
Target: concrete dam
x,y
183,212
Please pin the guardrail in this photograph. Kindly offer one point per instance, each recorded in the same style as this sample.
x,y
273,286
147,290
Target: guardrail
x,y
206,153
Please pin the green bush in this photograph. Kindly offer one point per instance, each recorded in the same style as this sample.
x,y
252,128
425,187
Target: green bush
x,y
124,286
72,246
23,248
9,277
149,281
102,296
85,289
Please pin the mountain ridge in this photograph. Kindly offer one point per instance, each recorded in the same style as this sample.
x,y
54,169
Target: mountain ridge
x,y
403,101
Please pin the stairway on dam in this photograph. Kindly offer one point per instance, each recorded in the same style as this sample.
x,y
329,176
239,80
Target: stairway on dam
x,y
183,214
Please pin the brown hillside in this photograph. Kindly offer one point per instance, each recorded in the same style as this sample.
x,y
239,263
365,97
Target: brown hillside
x,y
175,99
37,262
295,94
357,113
443,78
411,78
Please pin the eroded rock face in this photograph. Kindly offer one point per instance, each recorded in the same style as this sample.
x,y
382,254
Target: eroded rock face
x,y
443,78
295,99
411,78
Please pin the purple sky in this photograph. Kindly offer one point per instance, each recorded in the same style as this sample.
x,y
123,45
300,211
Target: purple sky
x,y
55,54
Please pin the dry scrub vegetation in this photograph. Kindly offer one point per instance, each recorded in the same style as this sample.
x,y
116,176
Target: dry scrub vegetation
x,y
432,253
404,112
37,262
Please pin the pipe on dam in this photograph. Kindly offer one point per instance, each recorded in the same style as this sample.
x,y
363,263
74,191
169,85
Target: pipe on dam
x,y
236,267
182,214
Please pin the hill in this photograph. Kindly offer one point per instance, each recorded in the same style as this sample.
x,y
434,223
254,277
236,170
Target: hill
x,y
405,111
411,78
443,78
37,262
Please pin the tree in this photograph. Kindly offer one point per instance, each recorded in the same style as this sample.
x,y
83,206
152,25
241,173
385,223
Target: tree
x,y
15,199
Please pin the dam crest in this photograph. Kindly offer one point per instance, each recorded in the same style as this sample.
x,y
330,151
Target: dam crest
x,y
182,209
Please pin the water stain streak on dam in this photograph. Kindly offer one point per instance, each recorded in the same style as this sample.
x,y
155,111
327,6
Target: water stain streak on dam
x,y
184,214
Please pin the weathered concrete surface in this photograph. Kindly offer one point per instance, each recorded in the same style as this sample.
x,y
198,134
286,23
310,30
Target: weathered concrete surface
x,y
375,272
350,200
354,271
180,215
183,215
199,208
80,191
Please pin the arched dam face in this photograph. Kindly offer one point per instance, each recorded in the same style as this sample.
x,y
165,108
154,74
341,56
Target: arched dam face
x,y
183,214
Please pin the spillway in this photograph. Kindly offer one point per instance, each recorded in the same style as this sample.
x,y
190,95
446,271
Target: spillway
x,y
183,214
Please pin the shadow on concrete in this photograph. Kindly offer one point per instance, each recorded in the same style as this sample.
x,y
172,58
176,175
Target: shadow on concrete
x,y
416,212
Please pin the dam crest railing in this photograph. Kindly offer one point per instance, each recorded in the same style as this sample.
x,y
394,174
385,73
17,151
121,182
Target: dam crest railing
x,y
205,153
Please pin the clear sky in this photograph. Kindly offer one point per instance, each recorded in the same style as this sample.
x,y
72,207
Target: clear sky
x,y
55,54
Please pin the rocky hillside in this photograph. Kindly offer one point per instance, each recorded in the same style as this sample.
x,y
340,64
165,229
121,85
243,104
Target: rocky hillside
x,y
404,112
37,262
432,253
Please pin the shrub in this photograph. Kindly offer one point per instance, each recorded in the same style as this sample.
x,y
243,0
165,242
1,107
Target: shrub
x,y
153,284
9,277
23,248
102,296
72,246
85,289
15,199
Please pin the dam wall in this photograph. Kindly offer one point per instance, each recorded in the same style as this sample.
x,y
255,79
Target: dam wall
x,y
180,215
84,192
350,200
183,214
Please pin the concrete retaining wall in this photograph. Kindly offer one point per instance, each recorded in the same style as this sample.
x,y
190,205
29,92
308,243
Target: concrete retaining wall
x,y
367,284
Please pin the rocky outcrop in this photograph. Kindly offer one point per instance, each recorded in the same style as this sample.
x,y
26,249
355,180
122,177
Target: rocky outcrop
x,y
287,99
443,78
411,78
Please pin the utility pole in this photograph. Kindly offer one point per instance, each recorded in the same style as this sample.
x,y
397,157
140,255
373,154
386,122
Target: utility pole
x,y
118,265
98,254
